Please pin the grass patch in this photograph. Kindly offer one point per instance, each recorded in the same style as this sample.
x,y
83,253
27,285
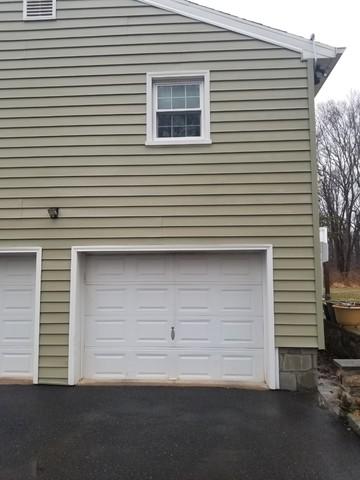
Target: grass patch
x,y
345,294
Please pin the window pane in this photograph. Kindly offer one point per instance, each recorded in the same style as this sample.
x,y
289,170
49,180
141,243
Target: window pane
x,y
177,125
192,90
178,96
193,131
179,120
192,102
178,102
193,118
164,103
192,96
164,91
178,91
164,119
179,132
164,132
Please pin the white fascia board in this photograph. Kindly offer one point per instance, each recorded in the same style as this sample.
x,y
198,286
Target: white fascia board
x,y
245,27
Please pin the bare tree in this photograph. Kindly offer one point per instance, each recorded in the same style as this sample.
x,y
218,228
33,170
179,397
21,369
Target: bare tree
x,y
338,152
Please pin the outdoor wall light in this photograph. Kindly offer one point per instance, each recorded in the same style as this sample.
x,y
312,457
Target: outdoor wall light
x,y
53,212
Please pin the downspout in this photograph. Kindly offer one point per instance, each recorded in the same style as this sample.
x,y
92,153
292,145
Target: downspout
x,y
315,210
317,77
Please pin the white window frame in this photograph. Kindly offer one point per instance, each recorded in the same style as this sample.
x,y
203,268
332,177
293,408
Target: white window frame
x,y
40,18
151,101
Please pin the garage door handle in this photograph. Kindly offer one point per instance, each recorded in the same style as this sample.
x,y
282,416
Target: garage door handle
x,y
172,333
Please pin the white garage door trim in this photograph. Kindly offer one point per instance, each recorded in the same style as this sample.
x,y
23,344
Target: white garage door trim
x,y
37,251
77,274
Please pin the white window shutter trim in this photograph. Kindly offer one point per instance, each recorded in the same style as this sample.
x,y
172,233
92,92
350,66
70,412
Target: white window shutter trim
x,y
39,9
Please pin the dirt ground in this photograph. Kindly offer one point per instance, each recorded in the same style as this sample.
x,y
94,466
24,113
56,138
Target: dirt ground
x,y
328,384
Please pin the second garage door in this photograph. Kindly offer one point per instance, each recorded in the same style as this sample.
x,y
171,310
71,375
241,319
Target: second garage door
x,y
188,317
17,312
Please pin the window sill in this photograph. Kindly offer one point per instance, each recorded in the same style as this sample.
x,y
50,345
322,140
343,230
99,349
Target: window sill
x,y
185,142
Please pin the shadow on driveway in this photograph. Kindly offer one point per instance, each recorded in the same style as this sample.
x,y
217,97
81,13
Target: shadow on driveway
x,y
143,433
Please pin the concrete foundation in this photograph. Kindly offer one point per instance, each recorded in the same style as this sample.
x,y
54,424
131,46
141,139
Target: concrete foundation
x,y
298,369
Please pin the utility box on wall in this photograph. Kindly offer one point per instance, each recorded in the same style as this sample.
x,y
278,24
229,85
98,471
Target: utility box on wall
x,y
324,245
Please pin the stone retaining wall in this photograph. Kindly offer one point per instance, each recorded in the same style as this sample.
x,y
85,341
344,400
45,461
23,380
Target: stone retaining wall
x,y
349,380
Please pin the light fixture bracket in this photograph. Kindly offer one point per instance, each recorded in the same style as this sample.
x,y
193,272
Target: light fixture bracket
x,y
53,212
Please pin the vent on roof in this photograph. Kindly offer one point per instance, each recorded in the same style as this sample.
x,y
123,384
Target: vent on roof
x,y
39,9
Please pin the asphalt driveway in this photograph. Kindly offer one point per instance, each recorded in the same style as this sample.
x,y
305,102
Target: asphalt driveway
x,y
139,433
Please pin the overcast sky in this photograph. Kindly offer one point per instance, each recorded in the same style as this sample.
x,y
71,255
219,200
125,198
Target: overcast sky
x,y
334,22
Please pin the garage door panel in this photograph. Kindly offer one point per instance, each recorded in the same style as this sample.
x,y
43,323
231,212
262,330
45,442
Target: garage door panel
x,y
106,366
105,269
240,301
152,332
195,331
240,268
242,334
105,332
193,268
152,366
243,366
195,366
17,270
153,299
16,362
106,301
16,316
150,268
18,299
17,332
193,300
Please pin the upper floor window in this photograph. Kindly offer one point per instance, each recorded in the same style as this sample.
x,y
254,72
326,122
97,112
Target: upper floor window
x,y
39,9
178,108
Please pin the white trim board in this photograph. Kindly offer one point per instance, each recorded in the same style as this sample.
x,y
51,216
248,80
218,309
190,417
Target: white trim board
x,y
37,251
77,273
306,47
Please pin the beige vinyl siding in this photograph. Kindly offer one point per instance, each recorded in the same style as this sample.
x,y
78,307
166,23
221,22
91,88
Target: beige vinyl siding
x,y
72,128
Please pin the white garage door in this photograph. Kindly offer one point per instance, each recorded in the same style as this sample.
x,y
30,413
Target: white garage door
x,y
195,317
17,301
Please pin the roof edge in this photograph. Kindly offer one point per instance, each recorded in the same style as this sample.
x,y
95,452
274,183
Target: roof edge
x,y
306,47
